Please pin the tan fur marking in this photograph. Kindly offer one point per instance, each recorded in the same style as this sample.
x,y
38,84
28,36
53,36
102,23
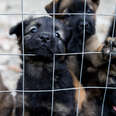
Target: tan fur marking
x,y
64,4
99,49
77,84
92,5
92,44
109,39
72,64
49,7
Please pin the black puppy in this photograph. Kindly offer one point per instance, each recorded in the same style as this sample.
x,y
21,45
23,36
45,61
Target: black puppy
x,y
82,30
41,41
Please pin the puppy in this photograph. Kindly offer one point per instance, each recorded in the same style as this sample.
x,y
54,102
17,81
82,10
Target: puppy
x,y
100,76
98,60
41,41
75,43
6,101
110,102
106,49
76,23
76,6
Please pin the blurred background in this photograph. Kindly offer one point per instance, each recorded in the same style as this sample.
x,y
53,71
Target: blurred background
x,y
10,14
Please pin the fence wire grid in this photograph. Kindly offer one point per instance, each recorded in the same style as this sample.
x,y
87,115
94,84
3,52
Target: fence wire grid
x,y
22,14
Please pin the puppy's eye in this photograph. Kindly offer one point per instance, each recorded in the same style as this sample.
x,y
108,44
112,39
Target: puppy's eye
x,y
34,29
57,35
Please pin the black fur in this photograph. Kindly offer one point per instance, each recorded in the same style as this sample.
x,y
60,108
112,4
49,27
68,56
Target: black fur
x,y
110,102
40,40
76,23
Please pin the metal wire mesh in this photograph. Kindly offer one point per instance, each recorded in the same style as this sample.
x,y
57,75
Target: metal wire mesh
x,y
22,14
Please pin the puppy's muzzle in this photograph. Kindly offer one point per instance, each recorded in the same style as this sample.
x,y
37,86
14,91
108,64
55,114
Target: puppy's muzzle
x,y
45,38
82,24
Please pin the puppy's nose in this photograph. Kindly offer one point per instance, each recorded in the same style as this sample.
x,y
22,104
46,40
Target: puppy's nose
x,y
82,24
44,37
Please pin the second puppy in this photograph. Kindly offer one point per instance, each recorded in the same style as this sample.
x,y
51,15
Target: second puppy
x,y
41,41
77,23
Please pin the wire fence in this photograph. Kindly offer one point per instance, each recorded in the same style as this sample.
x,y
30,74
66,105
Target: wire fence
x,y
22,14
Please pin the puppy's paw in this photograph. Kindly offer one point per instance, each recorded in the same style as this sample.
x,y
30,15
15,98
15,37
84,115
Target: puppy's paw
x,y
109,46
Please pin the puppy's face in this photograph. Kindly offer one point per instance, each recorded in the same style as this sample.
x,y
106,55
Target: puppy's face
x,y
39,37
76,21
78,25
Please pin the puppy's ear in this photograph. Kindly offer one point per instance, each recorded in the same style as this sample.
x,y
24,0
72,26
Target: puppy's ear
x,y
57,3
97,2
60,7
17,30
49,7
